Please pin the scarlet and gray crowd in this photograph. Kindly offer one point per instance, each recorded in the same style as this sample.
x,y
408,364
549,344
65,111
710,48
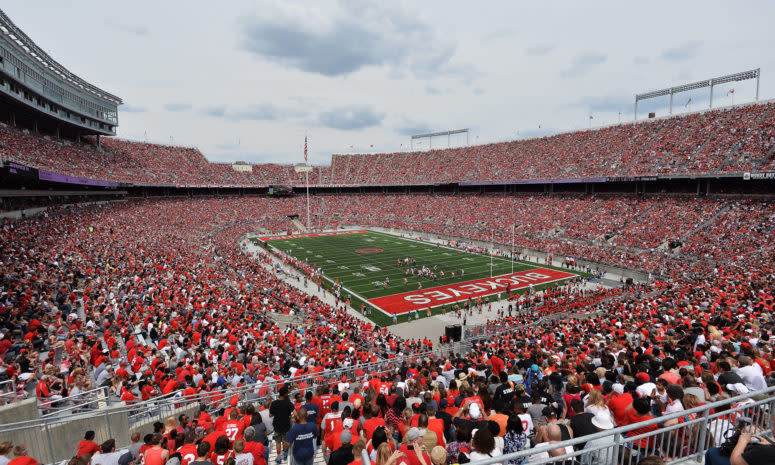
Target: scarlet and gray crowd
x,y
721,141
82,284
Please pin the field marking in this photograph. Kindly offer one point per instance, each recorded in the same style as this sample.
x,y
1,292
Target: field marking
x,y
364,285
495,284
499,262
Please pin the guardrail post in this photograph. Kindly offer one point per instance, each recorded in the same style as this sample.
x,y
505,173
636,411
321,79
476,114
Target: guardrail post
x,y
107,420
617,442
48,440
703,435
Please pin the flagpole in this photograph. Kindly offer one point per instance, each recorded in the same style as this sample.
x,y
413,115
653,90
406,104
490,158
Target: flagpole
x,y
512,248
492,246
306,176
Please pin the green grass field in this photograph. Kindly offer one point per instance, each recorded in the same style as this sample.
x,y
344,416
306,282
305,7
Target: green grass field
x,y
338,257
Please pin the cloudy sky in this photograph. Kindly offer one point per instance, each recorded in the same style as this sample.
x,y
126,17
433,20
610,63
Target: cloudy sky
x,y
246,80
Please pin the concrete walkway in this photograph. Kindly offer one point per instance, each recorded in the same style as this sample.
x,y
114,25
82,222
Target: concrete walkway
x,y
295,278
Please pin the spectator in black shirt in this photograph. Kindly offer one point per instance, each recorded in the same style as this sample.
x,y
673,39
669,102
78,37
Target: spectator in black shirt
x,y
581,423
504,391
280,411
726,375
344,454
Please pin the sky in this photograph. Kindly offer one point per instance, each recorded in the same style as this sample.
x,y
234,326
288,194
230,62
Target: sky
x,y
247,80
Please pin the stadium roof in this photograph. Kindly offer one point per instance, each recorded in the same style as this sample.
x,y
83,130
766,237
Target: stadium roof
x,y
44,60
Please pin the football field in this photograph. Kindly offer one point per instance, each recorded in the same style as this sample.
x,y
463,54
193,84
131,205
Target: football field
x,y
375,270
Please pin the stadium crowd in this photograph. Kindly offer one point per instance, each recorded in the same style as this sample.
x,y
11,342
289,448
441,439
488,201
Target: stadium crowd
x,y
78,287
735,140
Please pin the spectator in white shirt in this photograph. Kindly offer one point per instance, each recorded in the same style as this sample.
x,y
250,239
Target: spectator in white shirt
x,y
675,396
751,374
109,456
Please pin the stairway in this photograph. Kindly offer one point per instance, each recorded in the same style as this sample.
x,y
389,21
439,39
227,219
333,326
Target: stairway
x,y
299,226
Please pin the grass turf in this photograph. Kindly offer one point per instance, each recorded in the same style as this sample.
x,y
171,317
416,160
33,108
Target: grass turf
x,y
338,258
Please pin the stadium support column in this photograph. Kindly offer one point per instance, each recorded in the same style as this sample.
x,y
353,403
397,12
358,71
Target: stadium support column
x,y
711,94
671,101
635,117
306,176
758,76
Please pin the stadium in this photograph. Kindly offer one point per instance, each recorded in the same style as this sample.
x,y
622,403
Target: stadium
x,y
589,296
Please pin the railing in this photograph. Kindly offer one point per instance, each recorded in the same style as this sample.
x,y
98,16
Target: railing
x,y
83,401
50,439
8,392
490,331
697,431
43,435
256,392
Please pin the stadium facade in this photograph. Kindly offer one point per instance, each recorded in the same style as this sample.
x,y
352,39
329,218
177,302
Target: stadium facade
x,y
39,92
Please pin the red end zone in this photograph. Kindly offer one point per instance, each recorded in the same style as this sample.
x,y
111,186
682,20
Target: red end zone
x,y
457,292
301,236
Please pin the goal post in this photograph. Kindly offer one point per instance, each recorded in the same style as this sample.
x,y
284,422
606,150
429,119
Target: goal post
x,y
431,135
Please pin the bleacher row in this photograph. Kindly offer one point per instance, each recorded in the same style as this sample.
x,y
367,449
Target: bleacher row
x,y
734,140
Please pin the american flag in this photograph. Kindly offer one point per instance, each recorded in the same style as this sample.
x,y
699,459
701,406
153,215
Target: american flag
x,y
731,91
305,148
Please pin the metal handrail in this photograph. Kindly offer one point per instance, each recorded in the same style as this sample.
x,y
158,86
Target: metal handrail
x,y
619,432
85,399
273,385
174,400
11,393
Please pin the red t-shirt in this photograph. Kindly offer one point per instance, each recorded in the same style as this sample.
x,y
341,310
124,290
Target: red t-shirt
x,y
410,458
233,429
257,450
87,447
670,377
632,417
618,406
371,424
188,452
220,459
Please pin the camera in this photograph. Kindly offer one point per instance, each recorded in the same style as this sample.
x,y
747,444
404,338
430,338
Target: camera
x,y
741,422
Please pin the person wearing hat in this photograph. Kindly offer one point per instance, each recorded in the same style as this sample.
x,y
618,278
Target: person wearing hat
x,y
644,385
414,451
601,450
550,417
469,417
343,454
438,456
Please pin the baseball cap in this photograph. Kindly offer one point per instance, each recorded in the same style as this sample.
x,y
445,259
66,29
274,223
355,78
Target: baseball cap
x,y
415,433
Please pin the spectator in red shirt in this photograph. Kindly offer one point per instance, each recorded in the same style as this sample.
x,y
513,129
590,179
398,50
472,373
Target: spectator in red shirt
x,y
87,445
